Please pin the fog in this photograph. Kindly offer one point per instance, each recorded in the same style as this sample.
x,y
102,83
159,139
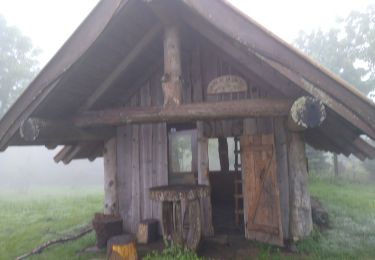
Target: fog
x,y
34,166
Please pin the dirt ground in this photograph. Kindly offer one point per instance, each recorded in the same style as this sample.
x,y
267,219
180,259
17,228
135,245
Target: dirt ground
x,y
222,247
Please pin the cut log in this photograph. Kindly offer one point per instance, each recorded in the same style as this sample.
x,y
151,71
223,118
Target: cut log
x,y
106,226
185,113
306,112
122,248
171,80
300,207
147,231
60,132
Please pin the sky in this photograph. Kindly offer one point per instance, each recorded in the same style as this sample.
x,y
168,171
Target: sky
x,y
50,22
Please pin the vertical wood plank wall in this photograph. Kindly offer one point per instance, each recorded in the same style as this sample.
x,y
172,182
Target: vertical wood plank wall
x,y
142,149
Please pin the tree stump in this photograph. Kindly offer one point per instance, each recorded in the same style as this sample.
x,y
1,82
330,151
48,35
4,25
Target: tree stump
x,y
106,226
181,212
122,248
147,231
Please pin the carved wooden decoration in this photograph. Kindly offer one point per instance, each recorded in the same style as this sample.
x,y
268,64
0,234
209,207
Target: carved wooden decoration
x,y
227,84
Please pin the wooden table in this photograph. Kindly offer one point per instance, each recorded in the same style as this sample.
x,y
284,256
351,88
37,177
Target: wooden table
x,y
181,212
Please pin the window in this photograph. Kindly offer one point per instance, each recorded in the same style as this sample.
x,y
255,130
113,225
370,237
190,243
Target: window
x,y
180,151
182,154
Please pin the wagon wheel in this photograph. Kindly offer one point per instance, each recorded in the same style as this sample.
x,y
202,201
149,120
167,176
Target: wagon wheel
x,y
192,225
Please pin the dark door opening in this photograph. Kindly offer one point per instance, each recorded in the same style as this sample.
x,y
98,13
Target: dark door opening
x,y
226,185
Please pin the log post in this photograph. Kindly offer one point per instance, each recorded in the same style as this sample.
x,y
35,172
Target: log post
x,y
306,112
111,204
203,178
172,78
38,129
122,247
300,222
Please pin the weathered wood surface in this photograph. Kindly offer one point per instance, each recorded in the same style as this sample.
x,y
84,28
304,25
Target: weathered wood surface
x,y
330,101
256,39
122,248
111,201
181,218
36,129
281,146
147,231
45,82
106,226
300,206
185,113
260,189
179,192
125,63
306,112
172,78
227,84
203,179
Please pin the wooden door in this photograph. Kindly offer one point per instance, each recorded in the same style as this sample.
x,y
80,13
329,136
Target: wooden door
x,y
260,189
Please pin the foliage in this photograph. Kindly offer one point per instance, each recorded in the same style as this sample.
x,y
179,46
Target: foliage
x,y
172,252
18,64
318,161
348,50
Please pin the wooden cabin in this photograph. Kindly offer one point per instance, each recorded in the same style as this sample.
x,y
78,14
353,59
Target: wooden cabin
x,y
153,85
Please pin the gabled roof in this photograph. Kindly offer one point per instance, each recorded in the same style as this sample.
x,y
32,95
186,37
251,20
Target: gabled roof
x,y
121,36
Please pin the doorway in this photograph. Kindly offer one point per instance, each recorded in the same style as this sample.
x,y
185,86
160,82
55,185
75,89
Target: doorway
x,y
226,185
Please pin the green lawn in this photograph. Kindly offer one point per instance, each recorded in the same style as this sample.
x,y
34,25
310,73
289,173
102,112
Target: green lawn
x,y
351,207
30,218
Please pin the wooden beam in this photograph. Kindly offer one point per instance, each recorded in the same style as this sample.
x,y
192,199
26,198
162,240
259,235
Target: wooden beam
x,y
300,207
130,58
185,113
111,200
242,56
51,75
60,132
171,80
329,101
306,112
365,147
255,38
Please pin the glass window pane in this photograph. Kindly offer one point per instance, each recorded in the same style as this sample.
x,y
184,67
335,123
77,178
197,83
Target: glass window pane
x,y
180,152
213,155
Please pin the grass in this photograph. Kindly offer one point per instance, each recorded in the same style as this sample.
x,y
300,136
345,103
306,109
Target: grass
x,y
30,218
351,208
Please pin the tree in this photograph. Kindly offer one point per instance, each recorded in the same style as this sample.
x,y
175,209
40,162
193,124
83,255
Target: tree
x,y
348,50
18,64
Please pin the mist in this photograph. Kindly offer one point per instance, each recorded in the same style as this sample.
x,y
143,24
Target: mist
x,y
29,167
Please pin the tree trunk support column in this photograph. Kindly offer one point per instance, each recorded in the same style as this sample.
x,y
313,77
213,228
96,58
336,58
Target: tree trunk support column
x,y
111,205
300,206
172,78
